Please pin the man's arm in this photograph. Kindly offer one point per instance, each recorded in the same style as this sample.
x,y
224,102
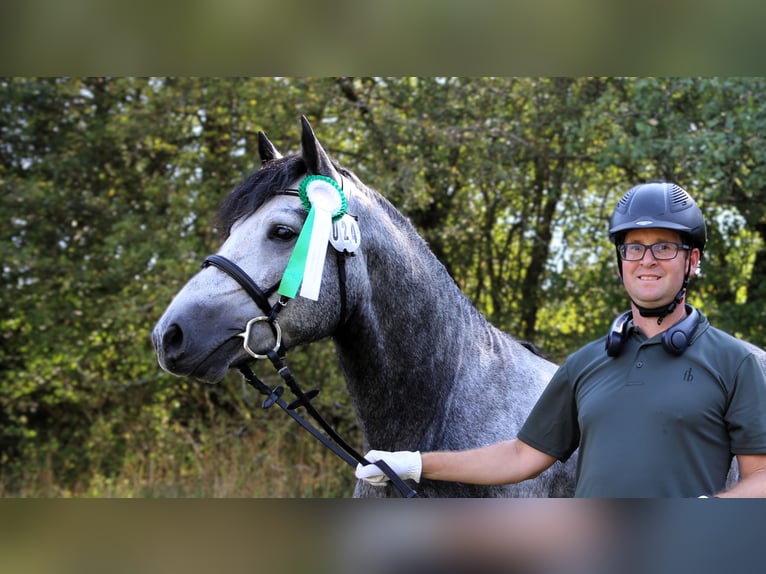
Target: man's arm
x,y
505,462
501,463
752,478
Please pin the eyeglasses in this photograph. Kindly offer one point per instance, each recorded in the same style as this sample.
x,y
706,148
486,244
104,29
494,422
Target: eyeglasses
x,y
662,251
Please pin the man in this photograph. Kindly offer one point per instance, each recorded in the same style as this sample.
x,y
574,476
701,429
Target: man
x,y
661,411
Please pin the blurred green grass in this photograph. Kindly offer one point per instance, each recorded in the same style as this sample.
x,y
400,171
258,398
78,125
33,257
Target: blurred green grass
x,y
269,457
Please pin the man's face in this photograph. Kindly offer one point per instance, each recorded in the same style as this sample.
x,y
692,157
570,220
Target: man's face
x,y
651,282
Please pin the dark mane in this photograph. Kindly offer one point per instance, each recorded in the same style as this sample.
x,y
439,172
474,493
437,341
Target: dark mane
x,y
258,187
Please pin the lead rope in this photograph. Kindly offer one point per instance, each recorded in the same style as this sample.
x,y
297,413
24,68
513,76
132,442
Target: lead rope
x,y
340,447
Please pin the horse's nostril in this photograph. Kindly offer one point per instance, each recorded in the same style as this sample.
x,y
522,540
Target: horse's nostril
x,y
173,339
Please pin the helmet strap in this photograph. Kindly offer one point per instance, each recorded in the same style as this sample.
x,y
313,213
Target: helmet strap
x,y
664,311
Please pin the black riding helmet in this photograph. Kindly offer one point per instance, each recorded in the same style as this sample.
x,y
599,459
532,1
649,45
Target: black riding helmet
x,y
664,206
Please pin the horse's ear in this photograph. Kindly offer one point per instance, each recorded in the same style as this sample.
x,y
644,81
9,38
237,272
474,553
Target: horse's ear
x,y
266,149
316,158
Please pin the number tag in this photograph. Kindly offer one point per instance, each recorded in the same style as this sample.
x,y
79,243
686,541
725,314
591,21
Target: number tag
x,y
345,234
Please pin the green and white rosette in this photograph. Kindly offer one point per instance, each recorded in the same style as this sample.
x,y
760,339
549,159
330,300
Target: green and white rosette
x,y
325,202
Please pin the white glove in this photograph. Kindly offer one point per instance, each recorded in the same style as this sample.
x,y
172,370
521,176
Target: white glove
x,y
405,463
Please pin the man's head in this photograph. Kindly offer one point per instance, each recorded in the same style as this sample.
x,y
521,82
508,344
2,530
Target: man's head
x,y
656,265
665,217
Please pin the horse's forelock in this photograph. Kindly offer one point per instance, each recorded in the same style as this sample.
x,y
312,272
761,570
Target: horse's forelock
x,y
262,184
274,175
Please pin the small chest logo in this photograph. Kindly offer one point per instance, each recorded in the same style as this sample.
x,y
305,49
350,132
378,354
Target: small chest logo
x,y
688,377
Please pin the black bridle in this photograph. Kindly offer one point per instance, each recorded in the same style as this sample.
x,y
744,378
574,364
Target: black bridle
x,y
257,294
276,355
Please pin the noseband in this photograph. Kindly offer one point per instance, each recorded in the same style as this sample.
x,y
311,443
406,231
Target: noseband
x,y
257,294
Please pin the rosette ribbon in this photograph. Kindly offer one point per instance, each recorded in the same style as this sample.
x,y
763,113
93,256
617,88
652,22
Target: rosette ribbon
x,y
325,202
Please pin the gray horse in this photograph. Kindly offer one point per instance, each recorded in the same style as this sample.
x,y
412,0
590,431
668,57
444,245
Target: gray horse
x,y
424,369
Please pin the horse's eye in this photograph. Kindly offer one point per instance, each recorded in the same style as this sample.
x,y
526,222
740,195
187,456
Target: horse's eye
x,y
282,233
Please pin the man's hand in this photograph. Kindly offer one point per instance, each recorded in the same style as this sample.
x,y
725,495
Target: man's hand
x,y
407,464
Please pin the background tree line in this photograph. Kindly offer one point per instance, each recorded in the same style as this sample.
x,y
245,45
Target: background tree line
x,y
109,193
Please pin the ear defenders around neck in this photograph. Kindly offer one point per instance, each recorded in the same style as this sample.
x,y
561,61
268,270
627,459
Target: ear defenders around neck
x,y
675,340
617,334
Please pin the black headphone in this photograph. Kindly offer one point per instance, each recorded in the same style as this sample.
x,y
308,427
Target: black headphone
x,y
675,340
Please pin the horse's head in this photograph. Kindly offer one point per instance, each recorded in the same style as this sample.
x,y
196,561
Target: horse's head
x,y
201,332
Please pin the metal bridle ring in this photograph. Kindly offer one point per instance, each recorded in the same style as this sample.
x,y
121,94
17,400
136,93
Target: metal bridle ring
x,y
246,336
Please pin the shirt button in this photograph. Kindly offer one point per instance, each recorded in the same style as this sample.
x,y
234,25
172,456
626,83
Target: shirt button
x,y
639,364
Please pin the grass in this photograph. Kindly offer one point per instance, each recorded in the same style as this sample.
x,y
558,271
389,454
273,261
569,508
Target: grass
x,y
268,457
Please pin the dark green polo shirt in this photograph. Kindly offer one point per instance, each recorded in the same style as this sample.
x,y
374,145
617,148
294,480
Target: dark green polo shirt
x,y
650,424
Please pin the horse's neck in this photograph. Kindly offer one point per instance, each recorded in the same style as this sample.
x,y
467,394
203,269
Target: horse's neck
x,y
407,340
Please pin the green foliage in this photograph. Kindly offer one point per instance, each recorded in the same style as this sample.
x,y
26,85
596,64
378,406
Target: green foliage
x,y
109,193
